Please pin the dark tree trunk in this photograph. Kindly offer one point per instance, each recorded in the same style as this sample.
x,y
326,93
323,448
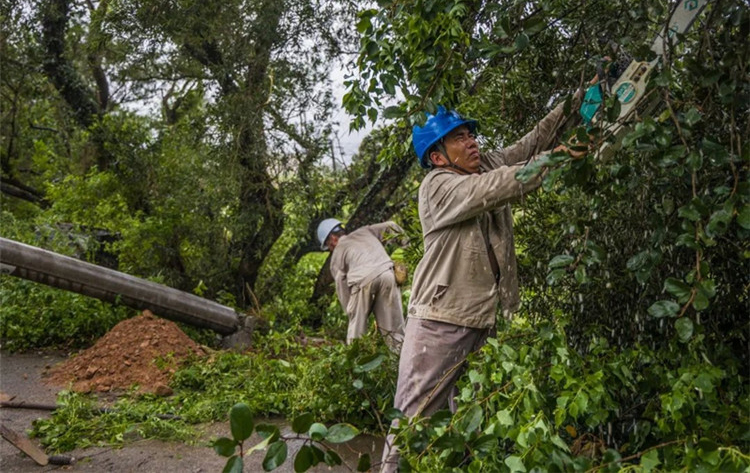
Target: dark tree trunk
x,y
60,70
261,204
86,104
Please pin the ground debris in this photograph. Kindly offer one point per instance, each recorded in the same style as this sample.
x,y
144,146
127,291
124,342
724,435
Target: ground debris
x,y
144,350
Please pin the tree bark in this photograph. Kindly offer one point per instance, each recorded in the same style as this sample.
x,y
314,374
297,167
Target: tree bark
x,y
60,70
261,203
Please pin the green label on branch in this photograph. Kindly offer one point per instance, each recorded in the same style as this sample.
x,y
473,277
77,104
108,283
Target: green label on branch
x,y
626,92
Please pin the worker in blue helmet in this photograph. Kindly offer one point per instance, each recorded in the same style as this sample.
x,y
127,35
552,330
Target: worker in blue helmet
x,y
365,278
469,265
429,137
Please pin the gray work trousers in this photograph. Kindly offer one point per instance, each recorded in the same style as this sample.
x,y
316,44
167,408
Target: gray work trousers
x,y
382,297
432,359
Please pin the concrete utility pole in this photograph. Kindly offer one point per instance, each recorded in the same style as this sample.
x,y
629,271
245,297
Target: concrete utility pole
x,y
70,274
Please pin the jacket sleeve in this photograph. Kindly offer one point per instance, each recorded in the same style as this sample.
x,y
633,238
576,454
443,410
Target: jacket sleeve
x,y
342,285
380,229
541,138
455,198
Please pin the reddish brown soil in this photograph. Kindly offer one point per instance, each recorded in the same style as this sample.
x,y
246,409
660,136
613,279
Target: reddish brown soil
x,y
145,351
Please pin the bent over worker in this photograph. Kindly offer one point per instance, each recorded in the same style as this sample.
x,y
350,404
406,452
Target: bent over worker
x,y
364,277
469,262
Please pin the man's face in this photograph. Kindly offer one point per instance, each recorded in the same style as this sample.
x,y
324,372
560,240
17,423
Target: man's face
x,y
462,148
332,241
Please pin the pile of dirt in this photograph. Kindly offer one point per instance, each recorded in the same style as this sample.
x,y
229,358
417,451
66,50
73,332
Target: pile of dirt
x,y
145,350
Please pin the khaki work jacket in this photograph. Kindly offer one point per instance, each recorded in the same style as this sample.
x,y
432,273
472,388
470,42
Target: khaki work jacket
x,y
359,258
454,281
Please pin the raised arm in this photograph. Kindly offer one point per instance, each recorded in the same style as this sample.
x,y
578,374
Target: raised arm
x,y
540,138
380,230
453,198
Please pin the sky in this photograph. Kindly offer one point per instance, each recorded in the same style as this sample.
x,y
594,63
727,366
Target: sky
x,y
348,141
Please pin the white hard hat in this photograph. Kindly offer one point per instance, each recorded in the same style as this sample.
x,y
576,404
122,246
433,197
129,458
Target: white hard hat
x,y
325,228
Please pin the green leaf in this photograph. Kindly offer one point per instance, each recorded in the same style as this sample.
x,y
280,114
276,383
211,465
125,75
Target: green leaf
x,y
393,112
689,212
555,275
694,160
471,420
638,261
241,422
650,460
580,275
706,445
268,431
224,446
304,459
718,223
369,363
302,423
515,464
613,111
441,418
508,49
560,443
390,88
684,327
484,443
707,287
743,217
704,382
318,454
596,253
504,417
340,433
533,25
561,261
332,458
521,42
692,117
363,25
678,289
363,464
582,401
450,441
661,309
275,456
392,413
317,431
700,302
234,465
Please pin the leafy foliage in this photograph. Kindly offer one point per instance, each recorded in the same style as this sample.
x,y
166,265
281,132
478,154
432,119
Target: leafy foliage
x,y
642,253
276,380
530,402
315,436
79,423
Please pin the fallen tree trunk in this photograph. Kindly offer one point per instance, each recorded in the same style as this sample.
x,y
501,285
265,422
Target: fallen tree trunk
x,y
70,274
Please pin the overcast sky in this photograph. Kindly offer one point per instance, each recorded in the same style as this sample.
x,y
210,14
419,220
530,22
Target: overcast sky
x,y
349,142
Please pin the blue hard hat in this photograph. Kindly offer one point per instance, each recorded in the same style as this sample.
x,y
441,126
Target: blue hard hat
x,y
434,129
